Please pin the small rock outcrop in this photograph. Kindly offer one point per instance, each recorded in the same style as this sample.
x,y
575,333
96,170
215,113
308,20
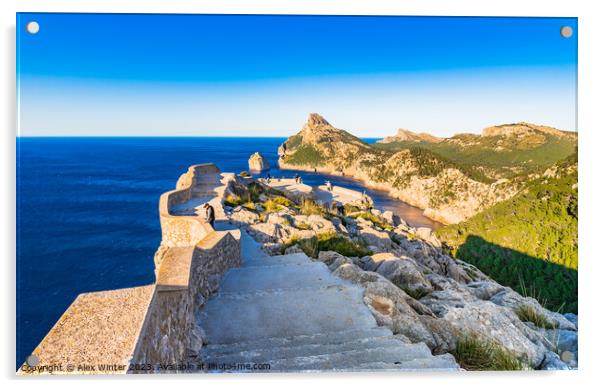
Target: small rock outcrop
x,y
258,163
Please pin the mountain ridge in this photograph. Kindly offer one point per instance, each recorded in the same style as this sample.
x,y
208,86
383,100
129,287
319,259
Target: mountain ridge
x,y
407,135
447,191
508,129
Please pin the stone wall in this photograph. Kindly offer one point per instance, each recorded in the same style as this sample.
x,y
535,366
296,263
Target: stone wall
x,y
168,335
181,231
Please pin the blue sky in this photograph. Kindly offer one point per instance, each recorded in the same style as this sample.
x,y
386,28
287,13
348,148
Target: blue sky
x,y
212,75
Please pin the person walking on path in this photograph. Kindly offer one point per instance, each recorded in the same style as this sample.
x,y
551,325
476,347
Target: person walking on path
x,y
209,214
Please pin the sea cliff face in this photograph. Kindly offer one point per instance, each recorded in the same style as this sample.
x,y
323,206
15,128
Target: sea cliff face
x,y
447,192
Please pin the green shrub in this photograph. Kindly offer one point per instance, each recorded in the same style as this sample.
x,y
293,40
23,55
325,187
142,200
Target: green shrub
x,y
350,209
328,242
244,174
255,190
249,205
281,200
473,353
310,207
271,206
310,246
233,200
376,220
303,226
527,313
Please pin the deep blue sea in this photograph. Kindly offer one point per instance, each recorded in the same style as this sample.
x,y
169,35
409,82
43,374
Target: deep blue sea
x,y
87,213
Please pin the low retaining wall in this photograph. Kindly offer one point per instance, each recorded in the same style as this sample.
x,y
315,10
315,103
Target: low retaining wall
x,y
149,328
168,337
182,231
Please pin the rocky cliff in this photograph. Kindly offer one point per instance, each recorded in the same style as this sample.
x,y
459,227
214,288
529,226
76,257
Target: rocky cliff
x,y
411,286
448,192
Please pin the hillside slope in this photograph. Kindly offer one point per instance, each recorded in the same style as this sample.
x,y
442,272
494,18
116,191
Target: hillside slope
x,y
502,151
530,241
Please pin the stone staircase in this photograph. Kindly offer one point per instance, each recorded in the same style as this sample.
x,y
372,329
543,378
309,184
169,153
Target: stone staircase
x,y
291,313
208,188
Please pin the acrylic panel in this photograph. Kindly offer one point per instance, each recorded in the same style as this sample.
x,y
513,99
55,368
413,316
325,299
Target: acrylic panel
x,y
294,193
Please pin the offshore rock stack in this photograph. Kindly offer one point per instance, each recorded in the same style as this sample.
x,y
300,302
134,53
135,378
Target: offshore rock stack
x,y
258,163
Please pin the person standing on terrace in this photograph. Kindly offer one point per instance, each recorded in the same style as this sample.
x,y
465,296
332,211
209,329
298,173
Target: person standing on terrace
x,y
209,214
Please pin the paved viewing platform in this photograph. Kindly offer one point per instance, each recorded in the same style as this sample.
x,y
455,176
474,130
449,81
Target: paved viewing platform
x,y
321,193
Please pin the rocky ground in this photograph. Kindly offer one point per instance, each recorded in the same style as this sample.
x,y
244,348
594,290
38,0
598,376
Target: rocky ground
x,y
411,285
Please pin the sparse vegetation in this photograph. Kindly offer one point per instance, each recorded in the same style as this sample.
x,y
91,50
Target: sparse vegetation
x,y
328,242
349,209
294,141
303,226
503,156
527,313
250,205
233,200
275,204
255,190
310,207
376,220
244,174
305,155
474,353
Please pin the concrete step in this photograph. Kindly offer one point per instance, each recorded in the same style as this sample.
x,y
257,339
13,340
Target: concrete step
x,y
441,363
209,178
282,352
203,192
250,249
333,338
293,258
246,317
403,353
278,277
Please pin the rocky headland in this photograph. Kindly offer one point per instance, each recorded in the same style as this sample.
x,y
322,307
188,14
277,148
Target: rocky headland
x,y
449,191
